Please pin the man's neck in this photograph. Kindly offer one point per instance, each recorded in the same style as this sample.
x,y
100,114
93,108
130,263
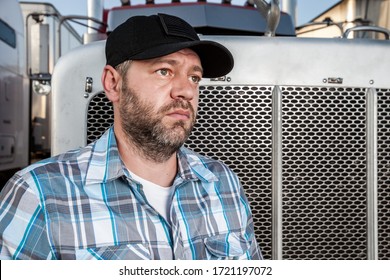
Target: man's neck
x,y
160,173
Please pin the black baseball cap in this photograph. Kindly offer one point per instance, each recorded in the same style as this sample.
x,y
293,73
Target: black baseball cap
x,y
146,37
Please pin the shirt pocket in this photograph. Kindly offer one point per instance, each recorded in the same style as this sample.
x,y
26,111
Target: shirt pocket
x,y
229,246
121,252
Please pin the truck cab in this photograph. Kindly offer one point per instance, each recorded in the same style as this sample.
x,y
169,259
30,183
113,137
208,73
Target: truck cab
x,y
14,100
32,38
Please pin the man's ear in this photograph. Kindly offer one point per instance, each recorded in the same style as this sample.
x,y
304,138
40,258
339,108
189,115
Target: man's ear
x,y
112,83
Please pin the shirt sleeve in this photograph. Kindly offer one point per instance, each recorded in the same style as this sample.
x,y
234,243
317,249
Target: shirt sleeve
x,y
23,231
241,217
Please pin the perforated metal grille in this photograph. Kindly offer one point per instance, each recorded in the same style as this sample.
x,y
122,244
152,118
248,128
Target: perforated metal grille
x,y
324,173
234,125
100,116
323,164
384,174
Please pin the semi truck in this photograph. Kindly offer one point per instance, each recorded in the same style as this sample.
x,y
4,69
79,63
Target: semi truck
x,y
304,122
31,39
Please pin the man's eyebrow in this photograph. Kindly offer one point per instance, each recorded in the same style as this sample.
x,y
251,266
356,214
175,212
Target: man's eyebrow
x,y
173,63
198,68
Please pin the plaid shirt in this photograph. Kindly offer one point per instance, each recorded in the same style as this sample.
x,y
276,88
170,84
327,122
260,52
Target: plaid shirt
x,y
84,205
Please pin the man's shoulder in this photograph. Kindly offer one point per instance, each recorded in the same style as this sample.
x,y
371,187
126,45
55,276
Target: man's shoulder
x,y
48,175
78,158
74,165
57,165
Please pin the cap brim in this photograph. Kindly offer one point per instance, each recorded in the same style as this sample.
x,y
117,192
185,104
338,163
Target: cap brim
x,y
216,60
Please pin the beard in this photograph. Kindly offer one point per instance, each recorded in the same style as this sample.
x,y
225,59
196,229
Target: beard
x,y
145,128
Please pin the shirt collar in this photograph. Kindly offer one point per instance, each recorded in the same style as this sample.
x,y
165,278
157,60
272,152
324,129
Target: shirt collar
x,y
191,166
105,163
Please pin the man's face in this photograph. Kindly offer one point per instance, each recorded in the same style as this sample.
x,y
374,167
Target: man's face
x,y
159,102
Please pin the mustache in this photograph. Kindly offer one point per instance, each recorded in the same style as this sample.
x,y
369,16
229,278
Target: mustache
x,y
178,104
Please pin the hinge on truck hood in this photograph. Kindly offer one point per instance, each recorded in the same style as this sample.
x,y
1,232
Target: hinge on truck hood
x,y
88,86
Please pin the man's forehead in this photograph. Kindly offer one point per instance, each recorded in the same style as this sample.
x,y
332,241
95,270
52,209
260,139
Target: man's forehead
x,y
175,58
186,52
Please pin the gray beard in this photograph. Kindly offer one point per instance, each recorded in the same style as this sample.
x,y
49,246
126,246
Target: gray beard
x,y
145,130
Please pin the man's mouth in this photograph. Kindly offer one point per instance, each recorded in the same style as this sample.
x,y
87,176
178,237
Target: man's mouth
x,y
180,114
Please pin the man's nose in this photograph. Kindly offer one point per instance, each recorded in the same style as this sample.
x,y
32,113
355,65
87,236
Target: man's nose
x,y
183,88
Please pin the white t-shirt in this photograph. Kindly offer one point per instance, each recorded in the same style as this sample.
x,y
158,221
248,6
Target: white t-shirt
x,y
158,197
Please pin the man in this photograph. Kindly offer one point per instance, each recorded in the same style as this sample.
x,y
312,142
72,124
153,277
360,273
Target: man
x,y
136,193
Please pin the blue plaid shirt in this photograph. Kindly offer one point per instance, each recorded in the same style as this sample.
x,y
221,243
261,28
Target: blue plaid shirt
x,y
84,205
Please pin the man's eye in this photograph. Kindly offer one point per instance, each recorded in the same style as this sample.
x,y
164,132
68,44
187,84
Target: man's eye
x,y
163,72
196,79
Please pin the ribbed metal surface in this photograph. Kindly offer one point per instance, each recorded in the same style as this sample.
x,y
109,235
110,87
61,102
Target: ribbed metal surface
x,y
323,162
384,174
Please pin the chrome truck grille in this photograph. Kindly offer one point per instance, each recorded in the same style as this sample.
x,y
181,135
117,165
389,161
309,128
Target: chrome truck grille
x,y
323,163
384,174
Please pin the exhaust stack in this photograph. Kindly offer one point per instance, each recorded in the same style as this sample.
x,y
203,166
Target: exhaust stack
x,y
95,11
290,7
